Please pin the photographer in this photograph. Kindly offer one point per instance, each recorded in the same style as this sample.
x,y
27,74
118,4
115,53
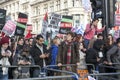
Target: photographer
x,y
23,59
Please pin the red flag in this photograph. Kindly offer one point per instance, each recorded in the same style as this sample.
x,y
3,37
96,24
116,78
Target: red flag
x,y
29,35
46,17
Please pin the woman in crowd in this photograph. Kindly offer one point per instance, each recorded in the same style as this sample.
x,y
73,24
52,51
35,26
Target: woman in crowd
x,y
54,52
5,54
82,51
23,59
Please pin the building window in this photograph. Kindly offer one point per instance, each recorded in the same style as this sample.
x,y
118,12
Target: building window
x,y
36,25
73,3
25,8
65,4
77,3
36,11
58,5
45,8
77,20
52,7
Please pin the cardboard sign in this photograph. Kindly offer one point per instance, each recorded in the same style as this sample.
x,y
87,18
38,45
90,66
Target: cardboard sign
x,y
2,18
66,24
21,24
9,28
55,20
54,25
82,74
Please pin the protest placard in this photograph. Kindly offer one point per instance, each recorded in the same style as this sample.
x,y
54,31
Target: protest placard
x,y
9,28
21,24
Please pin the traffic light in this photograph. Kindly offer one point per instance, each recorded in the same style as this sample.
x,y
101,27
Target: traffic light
x,y
114,5
97,8
111,13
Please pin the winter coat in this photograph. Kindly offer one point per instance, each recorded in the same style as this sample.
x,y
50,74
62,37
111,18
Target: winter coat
x,y
113,55
62,53
36,52
54,53
4,61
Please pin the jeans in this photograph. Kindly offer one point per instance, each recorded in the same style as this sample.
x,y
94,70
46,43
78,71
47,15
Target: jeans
x,y
3,77
86,43
39,73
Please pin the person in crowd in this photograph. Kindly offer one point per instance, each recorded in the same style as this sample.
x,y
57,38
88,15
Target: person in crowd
x,y
82,50
30,42
82,54
5,54
100,36
68,53
23,59
95,56
26,41
91,30
40,54
109,43
113,55
54,52
20,45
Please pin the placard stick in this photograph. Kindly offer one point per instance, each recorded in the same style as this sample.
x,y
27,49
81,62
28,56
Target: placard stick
x,y
17,37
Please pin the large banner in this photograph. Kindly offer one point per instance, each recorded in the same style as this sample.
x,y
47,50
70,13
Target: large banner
x,y
2,18
21,24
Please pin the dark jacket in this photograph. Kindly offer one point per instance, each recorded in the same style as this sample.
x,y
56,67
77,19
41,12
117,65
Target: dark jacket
x,y
36,52
113,55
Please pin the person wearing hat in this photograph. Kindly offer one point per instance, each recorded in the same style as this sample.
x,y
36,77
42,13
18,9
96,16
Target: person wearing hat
x,y
5,54
113,55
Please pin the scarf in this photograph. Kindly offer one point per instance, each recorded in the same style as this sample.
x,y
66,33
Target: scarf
x,y
68,54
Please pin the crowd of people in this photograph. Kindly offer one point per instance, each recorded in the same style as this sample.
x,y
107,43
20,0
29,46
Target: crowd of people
x,y
72,49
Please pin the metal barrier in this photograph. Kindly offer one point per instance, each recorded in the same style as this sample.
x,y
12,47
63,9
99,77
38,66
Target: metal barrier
x,y
70,75
29,66
105,76
74,76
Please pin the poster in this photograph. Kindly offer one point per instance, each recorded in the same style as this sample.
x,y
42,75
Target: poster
x,y
54,25
9,28
21,24
66,24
